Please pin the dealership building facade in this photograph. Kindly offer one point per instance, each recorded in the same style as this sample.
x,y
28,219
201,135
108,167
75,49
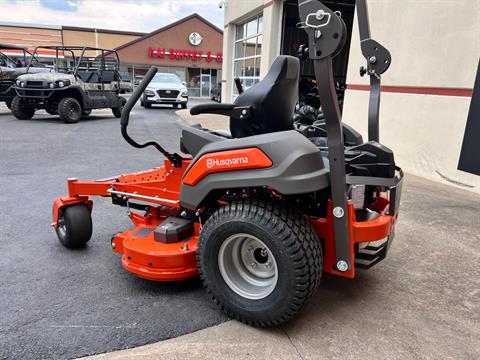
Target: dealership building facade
x,y
427,91
190,47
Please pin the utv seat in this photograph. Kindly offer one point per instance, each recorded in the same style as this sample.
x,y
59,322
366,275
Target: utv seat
x,y
266,107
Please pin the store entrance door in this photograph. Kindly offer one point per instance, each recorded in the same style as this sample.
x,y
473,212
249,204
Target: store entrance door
x,y
205,85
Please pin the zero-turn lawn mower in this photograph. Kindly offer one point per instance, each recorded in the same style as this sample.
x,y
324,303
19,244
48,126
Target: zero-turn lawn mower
x,y
259,214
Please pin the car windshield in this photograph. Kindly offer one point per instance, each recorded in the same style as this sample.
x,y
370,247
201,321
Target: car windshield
x,y
167,78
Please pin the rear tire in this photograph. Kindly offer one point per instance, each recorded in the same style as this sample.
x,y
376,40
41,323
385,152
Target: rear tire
x,y
8,103
117,112
175,106
270,288
74,226
69,110
21,110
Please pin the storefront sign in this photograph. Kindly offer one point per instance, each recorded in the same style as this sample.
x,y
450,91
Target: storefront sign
x,y
180,54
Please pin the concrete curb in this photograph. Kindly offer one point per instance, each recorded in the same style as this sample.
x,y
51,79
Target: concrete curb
x,y
230,340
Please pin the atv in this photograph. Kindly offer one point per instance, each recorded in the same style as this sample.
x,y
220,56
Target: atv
x,y
13,63
260,213
73,87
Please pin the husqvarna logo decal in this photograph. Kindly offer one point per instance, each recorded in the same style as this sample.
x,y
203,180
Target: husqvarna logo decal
x,y
212,162
225,161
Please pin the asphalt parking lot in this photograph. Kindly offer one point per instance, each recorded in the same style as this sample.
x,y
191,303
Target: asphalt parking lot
x,y
57,303
422,302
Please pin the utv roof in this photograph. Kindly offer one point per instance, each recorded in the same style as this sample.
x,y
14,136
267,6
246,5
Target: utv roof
x,y
73,48
11,46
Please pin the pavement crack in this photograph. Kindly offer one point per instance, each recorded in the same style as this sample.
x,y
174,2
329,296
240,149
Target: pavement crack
x,y
291,342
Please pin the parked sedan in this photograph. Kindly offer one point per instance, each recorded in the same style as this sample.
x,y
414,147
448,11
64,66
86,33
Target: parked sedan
x,y
165,89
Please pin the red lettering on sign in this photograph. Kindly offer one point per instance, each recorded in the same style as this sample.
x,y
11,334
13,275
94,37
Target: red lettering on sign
x,y
209,56
185,54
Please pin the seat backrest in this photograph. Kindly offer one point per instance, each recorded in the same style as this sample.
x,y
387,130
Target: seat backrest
x,y
273,100
109,75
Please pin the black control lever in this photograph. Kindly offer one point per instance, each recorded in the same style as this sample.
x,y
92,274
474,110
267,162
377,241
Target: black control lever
x,y
174,158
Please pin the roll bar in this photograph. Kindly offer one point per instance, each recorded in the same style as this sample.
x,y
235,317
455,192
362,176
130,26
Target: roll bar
x,y
174,158
378,61
327,36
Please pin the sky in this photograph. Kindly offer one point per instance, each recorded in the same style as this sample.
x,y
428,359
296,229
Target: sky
x,y
128,15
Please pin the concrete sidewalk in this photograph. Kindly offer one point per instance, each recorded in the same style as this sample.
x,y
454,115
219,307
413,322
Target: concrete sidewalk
x,y
421,302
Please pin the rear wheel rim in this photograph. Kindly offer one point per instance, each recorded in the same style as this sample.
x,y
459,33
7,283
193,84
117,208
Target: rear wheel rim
x,y
247,266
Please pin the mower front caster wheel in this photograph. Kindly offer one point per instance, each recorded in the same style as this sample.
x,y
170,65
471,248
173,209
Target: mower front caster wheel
x,y
74,226
260,260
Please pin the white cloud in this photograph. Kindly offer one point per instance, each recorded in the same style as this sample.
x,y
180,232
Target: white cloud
x,y
146,15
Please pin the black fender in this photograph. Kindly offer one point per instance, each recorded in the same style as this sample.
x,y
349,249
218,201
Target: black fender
x,y
297,167
76,92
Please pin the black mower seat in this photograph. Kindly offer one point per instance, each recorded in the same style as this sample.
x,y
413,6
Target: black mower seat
x,y
267,106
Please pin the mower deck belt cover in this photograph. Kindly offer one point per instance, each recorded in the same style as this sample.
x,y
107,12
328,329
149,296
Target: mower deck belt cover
x,y
174,229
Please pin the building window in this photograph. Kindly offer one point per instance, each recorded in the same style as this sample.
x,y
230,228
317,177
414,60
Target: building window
x,y
248,52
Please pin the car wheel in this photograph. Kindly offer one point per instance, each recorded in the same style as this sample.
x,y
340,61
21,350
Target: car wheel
x,y
184,106
69,110
74,226
261,261
117,111
21,110
147,105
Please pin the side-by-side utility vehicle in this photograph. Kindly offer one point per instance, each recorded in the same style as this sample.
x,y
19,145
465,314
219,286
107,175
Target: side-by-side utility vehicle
x,y
80,79
14,61
262,213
